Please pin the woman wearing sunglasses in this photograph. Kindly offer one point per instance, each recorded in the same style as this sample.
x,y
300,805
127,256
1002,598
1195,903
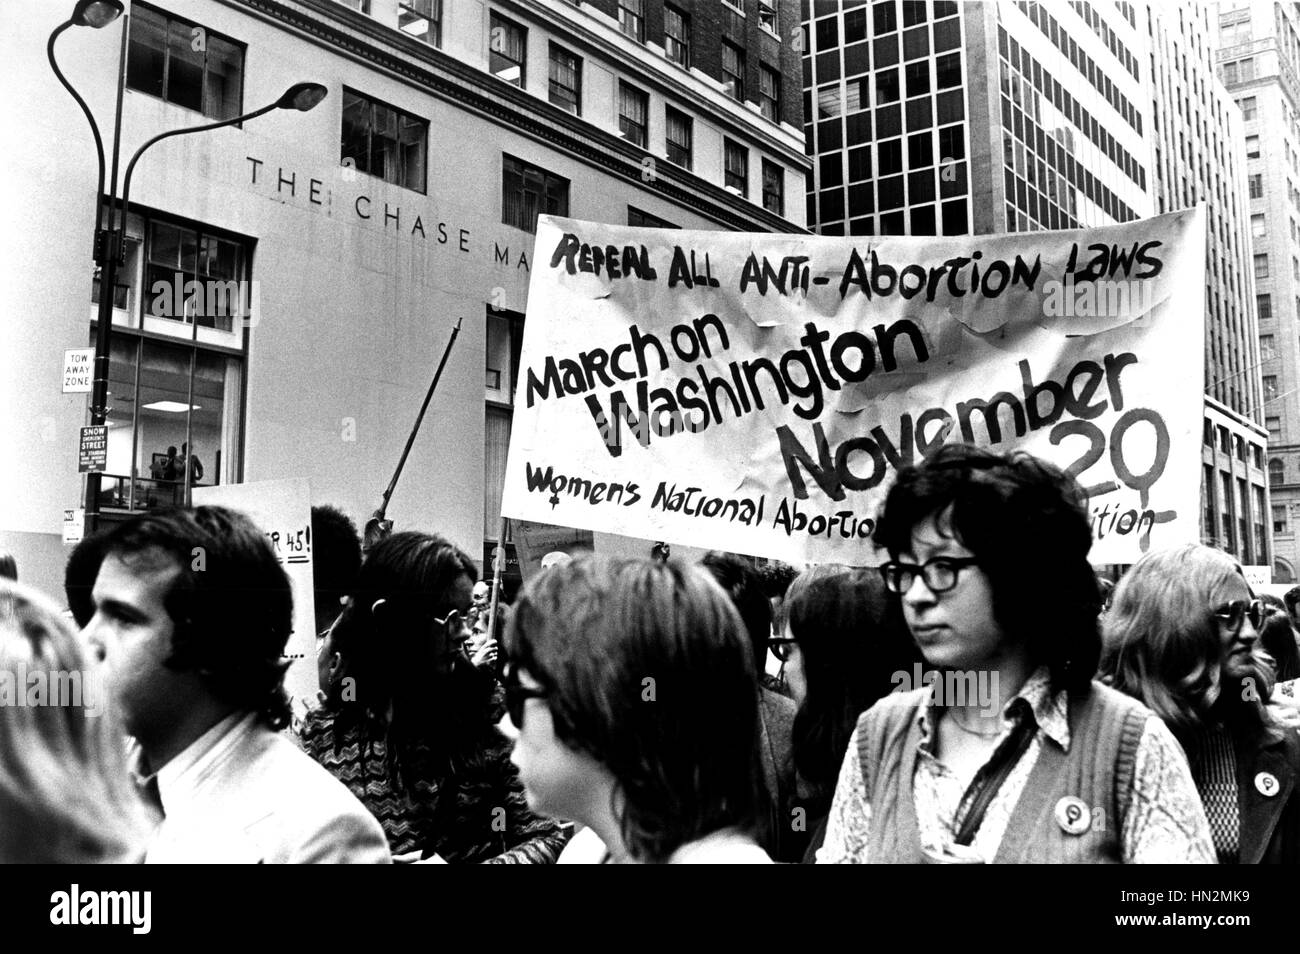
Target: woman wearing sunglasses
x,y
631,686
1183,636
408,720
1014,754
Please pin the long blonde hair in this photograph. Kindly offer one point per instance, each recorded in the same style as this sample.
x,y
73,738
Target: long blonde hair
x,y
1161,642
65,792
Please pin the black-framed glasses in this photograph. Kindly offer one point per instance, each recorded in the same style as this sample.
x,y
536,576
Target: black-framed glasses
x,y
1236,612
781,646
939,573
517,694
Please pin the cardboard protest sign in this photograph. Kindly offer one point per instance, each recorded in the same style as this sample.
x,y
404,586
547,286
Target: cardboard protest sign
x,y
533,541
282,509
757,393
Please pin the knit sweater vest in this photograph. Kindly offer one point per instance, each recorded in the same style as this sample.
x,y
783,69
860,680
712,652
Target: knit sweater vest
x,y
1105,729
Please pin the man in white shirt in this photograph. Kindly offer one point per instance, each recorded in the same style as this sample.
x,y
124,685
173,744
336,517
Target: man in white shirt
x,y
192,613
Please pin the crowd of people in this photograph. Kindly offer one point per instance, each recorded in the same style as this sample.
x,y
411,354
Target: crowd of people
x,y
981,697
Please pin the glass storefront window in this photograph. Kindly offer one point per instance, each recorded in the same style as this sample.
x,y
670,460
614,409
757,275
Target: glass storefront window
x,y
170,405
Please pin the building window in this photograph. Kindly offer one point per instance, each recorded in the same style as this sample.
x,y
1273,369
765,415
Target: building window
x,y
1279,518
1261,266
735,167
733,70
677,36
527,191
566,80
1264,305
173,398
1274,425
507,49
174,424
1247,69
1266,347
1256,184
767,17
383,141
645,220
678,133
175,257
773,187
162,61
633,113
631,18
1270,386
1257,225
769,93
1248,108
1252,147
886,17
421,19
361,6
1276,474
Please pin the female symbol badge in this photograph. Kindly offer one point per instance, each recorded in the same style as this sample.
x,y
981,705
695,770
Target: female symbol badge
x,y
1073,815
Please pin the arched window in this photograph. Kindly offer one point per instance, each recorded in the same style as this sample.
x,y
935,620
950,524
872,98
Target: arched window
x,y
1275,471
1282,572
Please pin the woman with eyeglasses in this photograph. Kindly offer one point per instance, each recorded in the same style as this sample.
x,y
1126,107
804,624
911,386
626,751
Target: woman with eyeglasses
x,y
843,646
1012,753
1183,636
631,686
408,720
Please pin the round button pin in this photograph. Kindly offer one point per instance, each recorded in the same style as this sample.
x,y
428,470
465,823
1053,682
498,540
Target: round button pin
x,y
1073,815
1266,783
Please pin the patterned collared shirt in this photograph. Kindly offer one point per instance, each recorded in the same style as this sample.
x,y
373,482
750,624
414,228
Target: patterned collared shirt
x,y
1165,822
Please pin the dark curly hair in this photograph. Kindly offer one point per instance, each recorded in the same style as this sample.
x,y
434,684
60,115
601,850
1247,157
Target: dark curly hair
x,y
231,604
429,718
1026,522
686,764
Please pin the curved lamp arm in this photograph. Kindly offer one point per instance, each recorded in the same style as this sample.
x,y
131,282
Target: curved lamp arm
x,y
90,118
300,96
130,166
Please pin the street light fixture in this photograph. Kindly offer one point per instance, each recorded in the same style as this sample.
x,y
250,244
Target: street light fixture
x,y
95,13
109,239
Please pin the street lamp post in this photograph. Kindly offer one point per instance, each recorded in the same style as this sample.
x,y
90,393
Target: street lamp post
x,y
109,244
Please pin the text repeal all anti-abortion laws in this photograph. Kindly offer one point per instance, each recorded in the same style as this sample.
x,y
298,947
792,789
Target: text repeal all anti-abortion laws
x,y
756,393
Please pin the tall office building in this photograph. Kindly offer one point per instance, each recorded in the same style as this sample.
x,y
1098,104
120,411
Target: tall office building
x,y
1259,59
928,117
1197,157
943,118
353,236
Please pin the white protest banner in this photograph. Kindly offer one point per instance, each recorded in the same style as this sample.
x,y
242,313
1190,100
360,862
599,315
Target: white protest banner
x,y
756,393
282,509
